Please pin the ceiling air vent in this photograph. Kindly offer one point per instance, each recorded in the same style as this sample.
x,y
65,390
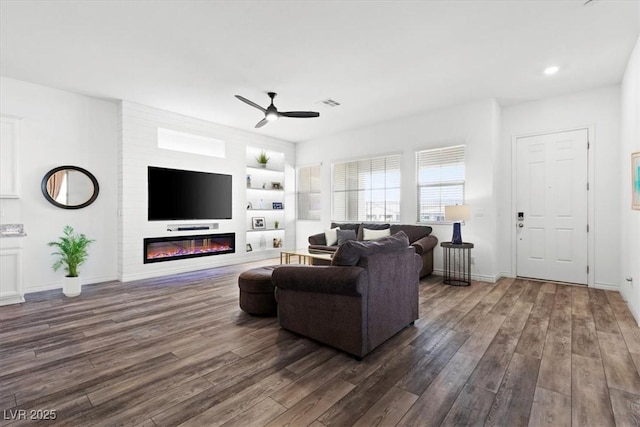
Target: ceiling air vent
x,y
330,102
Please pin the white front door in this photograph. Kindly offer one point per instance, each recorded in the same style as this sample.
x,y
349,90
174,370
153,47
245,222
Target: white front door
x,y
551,206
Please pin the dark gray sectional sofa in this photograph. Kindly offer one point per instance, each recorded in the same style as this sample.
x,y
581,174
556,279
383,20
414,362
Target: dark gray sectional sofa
x,y
358,302
420,238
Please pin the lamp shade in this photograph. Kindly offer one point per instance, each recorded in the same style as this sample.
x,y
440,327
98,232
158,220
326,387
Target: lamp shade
x,y
456,213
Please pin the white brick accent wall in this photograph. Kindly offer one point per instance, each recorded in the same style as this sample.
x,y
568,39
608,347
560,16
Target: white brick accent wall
x,y
138,149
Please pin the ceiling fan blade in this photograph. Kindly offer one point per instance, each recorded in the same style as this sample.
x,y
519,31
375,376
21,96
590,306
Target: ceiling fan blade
x,y
299,114
262,123
253,104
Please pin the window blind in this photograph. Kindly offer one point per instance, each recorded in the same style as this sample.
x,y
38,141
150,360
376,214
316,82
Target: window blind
x,y
308,194
367,190
441,180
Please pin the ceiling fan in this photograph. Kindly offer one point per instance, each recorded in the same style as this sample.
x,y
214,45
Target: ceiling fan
x,y
271,113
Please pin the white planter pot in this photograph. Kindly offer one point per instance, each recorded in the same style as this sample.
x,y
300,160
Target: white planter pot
x,y
71,286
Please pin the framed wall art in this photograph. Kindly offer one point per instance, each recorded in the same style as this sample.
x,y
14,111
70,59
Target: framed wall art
x,y
258,222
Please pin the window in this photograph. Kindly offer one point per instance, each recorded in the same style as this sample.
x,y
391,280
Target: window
x,y
367,190
441,174
189,143
309,192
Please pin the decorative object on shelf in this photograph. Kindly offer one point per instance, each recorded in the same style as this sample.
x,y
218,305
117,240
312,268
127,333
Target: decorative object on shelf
x,y
72,252
262,159
276,186
70,187
277,242
263,242
456,214
249,248
276,224
635,180
249,205
264,185
277,205
248,181
258,223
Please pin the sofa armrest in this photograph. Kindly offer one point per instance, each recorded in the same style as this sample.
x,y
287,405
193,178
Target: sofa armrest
x,y
318,239
349,281
425,244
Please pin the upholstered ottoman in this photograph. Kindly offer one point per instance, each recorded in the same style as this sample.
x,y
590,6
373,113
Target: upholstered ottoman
x,y
256,291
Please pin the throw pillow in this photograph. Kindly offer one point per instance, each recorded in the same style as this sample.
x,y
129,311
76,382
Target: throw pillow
x,y
375,234
346,226
331,236
351,252
371,226
345,235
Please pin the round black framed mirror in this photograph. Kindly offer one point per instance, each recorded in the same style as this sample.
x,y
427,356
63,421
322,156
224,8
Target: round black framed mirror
x,y
70,187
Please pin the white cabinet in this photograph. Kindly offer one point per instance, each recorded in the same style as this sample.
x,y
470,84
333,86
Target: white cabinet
x,y
265,201
9,133
11,289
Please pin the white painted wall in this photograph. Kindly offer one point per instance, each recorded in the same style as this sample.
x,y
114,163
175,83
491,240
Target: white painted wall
x,y
629,245
473,124
139,149
60,128
599,108
63,128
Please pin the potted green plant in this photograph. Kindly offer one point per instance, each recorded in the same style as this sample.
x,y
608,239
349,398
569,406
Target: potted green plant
x,y
262,159
276,224
72,252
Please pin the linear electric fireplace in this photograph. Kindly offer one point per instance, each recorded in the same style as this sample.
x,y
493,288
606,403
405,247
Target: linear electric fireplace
x,y
158,249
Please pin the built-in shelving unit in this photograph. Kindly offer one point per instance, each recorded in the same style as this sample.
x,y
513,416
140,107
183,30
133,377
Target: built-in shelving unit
x,y
265,201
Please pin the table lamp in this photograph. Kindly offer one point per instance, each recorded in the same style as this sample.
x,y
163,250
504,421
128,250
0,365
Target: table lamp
x,y
456,214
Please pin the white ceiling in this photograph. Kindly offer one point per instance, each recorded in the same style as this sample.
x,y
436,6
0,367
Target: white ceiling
x,y
380,59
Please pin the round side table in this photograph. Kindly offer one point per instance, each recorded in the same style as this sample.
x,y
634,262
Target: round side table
x,y
457,263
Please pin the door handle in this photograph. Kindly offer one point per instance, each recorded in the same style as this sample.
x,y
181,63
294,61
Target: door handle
x,y
520,225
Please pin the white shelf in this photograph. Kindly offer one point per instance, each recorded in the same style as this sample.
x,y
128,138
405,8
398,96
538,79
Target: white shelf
x,y
255,169
261,199
266,189
264,229
271,249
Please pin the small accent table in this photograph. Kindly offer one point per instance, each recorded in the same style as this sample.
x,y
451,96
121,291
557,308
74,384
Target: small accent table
x,y
457,263
304,256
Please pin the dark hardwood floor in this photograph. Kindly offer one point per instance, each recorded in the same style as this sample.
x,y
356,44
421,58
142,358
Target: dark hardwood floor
x,y
178,351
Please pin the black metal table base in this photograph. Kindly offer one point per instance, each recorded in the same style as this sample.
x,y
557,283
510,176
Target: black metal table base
x,y
457,263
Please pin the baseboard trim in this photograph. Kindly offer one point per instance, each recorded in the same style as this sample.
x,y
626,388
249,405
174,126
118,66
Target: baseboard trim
x,y
606,286
477,277
58,285
634,313
189,269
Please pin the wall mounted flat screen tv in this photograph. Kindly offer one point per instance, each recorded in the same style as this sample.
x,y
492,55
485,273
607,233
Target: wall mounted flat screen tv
x,y
180,195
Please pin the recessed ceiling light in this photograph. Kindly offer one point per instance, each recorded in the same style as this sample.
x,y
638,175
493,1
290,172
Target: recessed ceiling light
x,y
549,71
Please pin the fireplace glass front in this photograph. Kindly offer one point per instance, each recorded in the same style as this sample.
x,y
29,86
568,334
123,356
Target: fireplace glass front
x,y
159,249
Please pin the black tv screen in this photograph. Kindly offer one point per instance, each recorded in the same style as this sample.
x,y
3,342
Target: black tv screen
x,y
180,195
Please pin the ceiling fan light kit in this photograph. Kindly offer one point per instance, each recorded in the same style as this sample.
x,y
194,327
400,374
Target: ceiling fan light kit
x,y
271,113
271,116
